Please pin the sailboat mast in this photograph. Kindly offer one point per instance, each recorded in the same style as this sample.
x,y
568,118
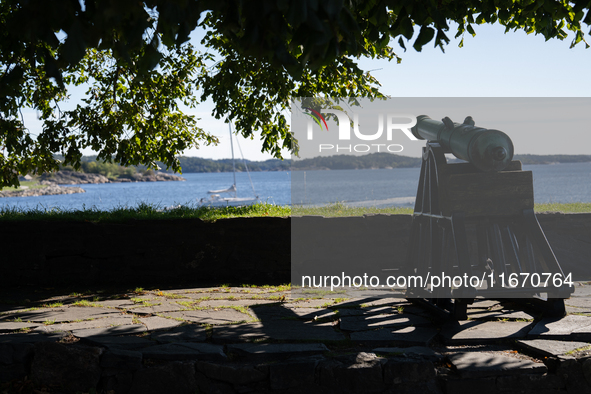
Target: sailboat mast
x,y
233,163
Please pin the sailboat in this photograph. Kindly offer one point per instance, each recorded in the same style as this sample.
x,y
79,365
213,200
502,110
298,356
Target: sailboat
x,y
229,196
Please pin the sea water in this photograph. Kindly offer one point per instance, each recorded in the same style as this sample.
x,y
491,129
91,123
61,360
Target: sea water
x,y
561,183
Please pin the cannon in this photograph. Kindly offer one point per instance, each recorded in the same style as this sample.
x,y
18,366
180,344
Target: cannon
x,y
487,149
476,219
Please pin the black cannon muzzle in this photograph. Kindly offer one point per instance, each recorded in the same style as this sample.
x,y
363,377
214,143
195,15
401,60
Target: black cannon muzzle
x,y
486,149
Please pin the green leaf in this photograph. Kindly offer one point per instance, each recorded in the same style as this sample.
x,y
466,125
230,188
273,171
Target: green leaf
x,y
74,48
150,59
425,35
332,8
259,57
298,13
406,28
52,70
401,43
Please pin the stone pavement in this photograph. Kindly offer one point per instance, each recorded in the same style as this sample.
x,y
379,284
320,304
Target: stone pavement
x,y
260,339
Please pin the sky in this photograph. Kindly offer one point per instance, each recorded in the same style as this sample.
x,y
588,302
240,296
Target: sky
x,y
491,64
540,125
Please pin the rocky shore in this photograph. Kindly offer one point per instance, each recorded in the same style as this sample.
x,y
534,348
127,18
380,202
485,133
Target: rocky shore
x,y
43,191
65,177
52,181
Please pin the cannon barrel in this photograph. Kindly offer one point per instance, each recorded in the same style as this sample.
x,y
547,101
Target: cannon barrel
x,y
487,149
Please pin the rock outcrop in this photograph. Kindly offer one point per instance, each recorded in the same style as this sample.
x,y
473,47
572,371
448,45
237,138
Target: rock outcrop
x,y
42,191
66,177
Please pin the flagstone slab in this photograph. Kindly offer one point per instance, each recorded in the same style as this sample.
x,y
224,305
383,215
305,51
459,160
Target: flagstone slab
x,y
175,291
347,302
244,303
220,316
122,303
393,301
10,308
478,332
516,315
367,302
32,337
410,336
483,314
145,297
128,342
96,323
313,313
66,314
188,333
568,327
375,293
8,326
170,297
150,310
280,312
277,329
298,330
548,348
479,364
582,291
200,292
412,352
486,304
416,310
583,304
312,303
274,351
571,310
371,322
185,351
245,332
277,312
158,323
217,295
117,330
365,311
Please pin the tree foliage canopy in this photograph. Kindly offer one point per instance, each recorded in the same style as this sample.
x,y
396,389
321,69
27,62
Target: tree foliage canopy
x,y
135,60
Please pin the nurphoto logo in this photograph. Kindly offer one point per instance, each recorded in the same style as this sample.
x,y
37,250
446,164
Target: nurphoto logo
x,y
393,123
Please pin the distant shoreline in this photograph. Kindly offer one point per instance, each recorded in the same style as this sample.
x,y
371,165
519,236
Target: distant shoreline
x,y
348,162
380,160
50,184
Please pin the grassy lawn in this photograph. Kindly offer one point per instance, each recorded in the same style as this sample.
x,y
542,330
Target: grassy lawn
x,y
576,207
340,209
147,212
25,185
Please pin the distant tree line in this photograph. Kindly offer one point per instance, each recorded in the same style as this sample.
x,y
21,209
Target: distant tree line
x,y
196,164
387,160
89,164
549,159
350,162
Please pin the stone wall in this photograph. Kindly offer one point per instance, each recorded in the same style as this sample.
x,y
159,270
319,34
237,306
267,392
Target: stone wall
x,y
75,368
377,245
192,252
569,236
140,253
